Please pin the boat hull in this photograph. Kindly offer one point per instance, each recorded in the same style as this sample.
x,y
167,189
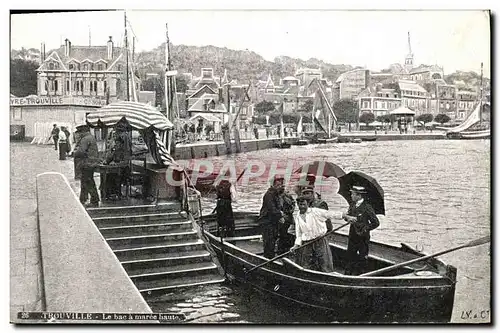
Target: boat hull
x,y
340,298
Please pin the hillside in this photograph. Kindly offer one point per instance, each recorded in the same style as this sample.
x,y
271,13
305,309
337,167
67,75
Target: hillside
x,y
241,65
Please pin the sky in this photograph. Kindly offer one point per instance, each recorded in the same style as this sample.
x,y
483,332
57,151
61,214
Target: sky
x,y
456,40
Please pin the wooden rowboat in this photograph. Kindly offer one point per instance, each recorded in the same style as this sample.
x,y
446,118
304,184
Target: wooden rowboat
x,y
419,293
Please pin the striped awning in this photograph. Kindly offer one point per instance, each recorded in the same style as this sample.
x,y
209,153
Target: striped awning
x,y
140,116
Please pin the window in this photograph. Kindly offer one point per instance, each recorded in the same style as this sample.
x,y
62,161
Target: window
x,y
46,86
105,86
86,67
71,66
67,86
120,68
56,85
51,66
17,114
99,67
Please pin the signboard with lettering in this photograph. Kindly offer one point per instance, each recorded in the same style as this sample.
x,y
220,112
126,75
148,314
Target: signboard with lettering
x,y
56,100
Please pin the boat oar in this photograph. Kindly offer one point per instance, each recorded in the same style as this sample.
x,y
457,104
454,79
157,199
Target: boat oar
x,y
303,245
480,241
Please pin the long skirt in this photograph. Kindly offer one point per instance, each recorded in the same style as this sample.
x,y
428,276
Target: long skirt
x,y
316,256
225,218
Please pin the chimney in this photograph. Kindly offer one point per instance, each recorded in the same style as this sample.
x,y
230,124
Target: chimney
x,y
42,52
67,47
110,48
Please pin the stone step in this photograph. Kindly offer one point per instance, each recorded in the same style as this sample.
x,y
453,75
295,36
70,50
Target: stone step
x,y
120,243
120,209
155,288
140,251
173,272
138,218
166,259
146,229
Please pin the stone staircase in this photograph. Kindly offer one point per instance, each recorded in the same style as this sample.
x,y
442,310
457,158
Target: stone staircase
x,y
159,249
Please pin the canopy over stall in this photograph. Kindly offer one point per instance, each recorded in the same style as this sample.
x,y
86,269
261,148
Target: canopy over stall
x,y
402,111
142,117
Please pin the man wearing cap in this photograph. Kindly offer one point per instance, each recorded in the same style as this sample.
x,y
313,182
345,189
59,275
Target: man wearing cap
x,y
359,232
87,152
310,226
271,216
55,135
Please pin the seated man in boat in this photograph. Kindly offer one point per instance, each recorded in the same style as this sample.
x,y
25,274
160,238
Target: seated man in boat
x,y
310,226
359,232
271,216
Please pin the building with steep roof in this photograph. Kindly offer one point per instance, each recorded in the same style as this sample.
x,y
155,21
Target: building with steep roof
x,y
85,71
414,96
379,101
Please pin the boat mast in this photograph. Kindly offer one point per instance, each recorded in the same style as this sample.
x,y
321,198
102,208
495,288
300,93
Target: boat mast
x,y
126,56
481,97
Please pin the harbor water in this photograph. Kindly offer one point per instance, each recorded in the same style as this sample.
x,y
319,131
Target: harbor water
x,y
437,196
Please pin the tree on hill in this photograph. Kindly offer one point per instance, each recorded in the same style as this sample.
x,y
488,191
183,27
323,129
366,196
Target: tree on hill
x,y
23,78
307,106
366,118
442,118
264,107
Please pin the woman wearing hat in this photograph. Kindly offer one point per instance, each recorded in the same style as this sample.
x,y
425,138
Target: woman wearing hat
x,y
359,232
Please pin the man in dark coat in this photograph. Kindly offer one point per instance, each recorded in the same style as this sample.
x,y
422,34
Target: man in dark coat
x,y
55,135
271,215
359,232
88,153
286,239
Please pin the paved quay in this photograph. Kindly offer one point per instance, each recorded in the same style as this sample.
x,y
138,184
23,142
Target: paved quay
x,y
27,161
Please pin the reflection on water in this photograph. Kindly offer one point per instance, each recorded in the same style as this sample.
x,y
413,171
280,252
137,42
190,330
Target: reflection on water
x,y
437,196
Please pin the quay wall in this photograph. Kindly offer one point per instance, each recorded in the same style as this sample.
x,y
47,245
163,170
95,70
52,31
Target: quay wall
x,y
392,137
80,273
218,148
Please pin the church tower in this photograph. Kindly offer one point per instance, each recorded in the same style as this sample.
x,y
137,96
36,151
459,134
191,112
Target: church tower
x,y
409,56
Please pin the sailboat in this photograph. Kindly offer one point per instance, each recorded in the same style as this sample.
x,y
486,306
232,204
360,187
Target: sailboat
x,y
323,116
473,127
282,144
300,132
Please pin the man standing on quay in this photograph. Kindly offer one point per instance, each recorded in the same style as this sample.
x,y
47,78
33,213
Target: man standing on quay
x,y
55,135
87,152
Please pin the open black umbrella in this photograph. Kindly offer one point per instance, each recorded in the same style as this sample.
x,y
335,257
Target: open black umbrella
x,y
321,168
374,195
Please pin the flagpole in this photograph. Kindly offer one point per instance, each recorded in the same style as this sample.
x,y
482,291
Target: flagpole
x,y
481,97
126,56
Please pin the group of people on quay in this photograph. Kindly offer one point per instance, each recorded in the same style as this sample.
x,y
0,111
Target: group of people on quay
x,y
302,232
87,159
61,139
